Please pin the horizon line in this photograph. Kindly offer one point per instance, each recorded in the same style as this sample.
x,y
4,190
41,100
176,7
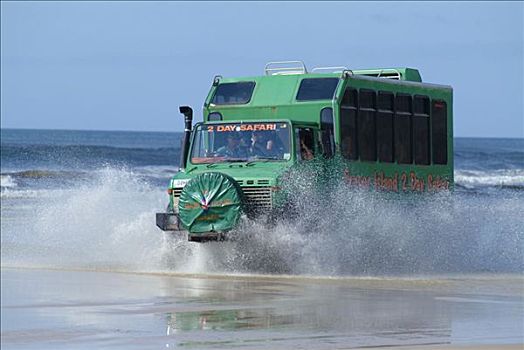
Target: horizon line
x,y
181,131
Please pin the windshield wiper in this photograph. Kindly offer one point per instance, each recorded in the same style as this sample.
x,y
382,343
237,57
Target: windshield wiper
x,y
235,160
225,161
261,159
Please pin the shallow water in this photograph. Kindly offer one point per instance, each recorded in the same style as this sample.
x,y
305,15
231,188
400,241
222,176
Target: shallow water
x,y
60,309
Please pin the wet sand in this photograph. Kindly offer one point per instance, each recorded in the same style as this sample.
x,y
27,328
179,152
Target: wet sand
x,y
61,309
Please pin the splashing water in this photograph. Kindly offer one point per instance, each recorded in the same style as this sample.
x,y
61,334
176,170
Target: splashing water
x,y
107,223
349,232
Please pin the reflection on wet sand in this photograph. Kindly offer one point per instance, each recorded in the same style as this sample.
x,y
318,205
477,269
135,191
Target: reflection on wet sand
x,y
80,309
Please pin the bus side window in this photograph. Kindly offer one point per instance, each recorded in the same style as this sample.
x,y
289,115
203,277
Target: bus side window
x,y
305,143
348,125
402,126
385,110
421,130
367,144
327,137
439,131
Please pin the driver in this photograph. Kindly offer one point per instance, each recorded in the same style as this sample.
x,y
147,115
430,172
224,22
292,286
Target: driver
x,y
232,149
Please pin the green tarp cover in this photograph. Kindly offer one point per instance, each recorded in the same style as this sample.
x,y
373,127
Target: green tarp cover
x,y
210,202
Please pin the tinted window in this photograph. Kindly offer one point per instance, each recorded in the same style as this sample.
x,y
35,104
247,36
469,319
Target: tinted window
x,y
326,117
421,130
367,99
403,103
402,126
327,135
421,105
350,98
233,93
317,89
385,101
348,125
385,127
366,126
439,131
348,131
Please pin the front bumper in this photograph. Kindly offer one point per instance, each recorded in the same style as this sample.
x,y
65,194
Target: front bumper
x,y
170,222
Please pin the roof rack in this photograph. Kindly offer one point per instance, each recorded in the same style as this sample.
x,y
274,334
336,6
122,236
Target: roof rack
x,y
336,69
385,73
389,74
285,68
398,73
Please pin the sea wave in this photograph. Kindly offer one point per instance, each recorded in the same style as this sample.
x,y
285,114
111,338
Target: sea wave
x,y
505,178
156,171
43,173
83,156
36,178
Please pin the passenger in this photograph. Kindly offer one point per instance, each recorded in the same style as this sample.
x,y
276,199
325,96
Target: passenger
x,y
257,147
263,145
232,149
305,152
271,147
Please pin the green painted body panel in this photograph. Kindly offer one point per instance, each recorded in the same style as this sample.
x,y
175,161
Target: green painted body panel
x,y
239,171
274,99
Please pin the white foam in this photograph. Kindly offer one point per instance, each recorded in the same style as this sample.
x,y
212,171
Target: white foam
x,y
7,181
476,178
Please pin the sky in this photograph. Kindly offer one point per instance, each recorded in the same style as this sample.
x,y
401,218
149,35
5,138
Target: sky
x,y
129,65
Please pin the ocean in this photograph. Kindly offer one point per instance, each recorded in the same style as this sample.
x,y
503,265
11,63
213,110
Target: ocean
x,y
86,199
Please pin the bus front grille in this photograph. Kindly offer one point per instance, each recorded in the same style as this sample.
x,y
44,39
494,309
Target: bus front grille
x,y
257,198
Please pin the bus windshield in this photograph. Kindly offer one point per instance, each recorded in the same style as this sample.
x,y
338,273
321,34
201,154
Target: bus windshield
x,y
241,142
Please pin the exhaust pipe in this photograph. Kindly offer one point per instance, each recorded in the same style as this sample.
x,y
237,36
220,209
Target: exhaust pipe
x,y
188,122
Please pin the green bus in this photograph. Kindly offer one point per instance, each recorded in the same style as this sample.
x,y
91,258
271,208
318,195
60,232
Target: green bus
x,y
386,129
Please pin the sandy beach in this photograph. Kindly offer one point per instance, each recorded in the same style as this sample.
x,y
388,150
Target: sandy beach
x,y
62,309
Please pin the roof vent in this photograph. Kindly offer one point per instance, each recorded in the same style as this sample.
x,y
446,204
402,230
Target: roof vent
x,y
285,68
